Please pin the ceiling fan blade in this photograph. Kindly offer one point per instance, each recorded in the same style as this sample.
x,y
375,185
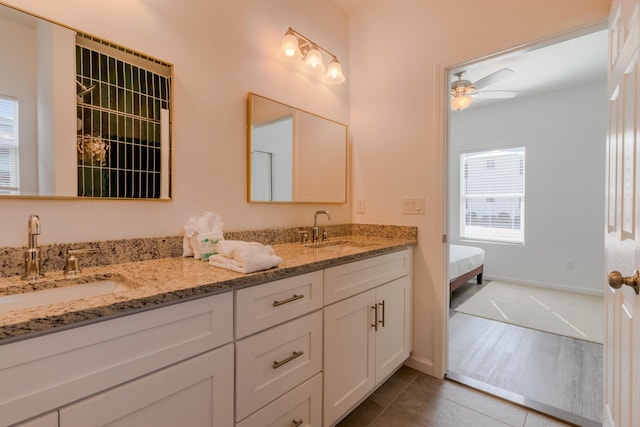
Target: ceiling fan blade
x,y
492,78
496,94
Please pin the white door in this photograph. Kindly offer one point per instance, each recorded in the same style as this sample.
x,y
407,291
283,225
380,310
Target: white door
x,y
622,241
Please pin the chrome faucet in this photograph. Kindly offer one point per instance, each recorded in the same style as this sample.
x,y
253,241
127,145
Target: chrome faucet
x,y
32,261
315,224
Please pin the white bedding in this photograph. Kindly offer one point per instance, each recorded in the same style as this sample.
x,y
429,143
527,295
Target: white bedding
x,y
463,259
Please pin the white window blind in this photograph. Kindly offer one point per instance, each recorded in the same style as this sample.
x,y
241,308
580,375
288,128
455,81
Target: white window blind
x,y
9,182
492,195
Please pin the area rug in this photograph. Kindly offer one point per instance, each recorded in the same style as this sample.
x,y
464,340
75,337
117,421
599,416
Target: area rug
x,y
558,312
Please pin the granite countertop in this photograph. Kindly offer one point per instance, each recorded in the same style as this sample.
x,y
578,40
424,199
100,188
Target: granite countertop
x,y
165,281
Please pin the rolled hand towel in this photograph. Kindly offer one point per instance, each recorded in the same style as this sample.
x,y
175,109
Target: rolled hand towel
x,y
244,257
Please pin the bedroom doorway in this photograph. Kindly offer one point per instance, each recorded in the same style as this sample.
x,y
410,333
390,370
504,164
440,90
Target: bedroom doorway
x,y
512,335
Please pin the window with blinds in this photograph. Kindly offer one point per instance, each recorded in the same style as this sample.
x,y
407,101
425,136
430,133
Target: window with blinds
x,y
9,180
492,195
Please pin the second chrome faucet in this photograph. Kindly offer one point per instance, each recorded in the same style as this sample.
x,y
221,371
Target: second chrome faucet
x,y
316,232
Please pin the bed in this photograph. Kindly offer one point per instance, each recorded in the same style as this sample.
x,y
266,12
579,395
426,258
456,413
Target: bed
x,y
465,263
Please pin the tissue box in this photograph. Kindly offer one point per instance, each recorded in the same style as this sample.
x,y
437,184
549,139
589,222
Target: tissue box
x,y
208,244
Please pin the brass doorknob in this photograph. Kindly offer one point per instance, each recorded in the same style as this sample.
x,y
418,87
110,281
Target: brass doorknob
x,y
616,280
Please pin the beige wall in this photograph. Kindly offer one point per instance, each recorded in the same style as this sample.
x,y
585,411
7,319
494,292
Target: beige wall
x,y
397,49
221,50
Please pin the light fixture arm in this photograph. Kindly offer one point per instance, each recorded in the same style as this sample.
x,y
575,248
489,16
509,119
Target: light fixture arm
x,y
305,43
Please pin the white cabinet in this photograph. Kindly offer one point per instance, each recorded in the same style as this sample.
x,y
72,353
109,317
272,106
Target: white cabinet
x,y
56,369
306,350
191,393
366,336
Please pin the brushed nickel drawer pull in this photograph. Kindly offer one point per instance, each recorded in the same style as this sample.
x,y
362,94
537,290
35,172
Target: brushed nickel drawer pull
x,y
382,321
296,423
375,317
288,300
294,355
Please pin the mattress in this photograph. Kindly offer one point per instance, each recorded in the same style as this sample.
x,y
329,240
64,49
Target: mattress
x,y
463,259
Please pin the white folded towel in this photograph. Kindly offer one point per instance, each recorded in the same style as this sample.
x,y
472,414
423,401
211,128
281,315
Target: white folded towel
x,y
244,257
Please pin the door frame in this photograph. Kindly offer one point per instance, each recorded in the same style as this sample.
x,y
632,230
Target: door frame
x,y
441,327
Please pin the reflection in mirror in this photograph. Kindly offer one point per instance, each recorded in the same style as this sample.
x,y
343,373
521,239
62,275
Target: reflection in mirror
x,y
79,116
293,155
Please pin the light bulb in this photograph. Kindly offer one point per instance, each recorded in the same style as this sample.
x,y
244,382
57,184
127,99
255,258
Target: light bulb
x,y
334,72
289,48
460,102
313,62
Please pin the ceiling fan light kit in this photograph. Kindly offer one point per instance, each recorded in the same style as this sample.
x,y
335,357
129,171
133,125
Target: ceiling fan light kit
x,y
464,91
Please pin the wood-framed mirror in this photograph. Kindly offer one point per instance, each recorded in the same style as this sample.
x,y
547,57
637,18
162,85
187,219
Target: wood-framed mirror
x,y
80,117
294,156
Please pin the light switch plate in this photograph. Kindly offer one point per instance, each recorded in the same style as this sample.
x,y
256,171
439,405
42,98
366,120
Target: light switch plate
x,y
413,205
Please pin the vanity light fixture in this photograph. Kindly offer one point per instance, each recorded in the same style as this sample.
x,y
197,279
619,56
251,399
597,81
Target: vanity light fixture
x,y
296,46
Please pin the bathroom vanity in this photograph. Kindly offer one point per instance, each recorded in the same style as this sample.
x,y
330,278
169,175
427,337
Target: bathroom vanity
x,y
194,345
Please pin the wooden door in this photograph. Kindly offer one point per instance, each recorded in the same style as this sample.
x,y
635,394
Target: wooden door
x,y
622,244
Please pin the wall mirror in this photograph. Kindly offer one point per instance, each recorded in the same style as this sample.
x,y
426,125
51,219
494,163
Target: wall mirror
x,y
80,116
294,156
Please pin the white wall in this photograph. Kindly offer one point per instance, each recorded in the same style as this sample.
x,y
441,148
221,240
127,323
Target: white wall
x,y
563,134
221,50
398,50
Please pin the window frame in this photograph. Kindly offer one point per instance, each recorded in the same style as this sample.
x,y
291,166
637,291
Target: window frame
x,y
14,144
493,234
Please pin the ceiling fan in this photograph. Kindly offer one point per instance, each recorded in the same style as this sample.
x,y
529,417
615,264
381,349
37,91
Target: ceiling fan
x,y
463,91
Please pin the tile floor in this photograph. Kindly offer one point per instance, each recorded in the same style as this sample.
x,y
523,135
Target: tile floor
x,y
412,399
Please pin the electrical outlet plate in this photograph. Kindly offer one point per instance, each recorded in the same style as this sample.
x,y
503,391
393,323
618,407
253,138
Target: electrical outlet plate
x,y
360,206
413,205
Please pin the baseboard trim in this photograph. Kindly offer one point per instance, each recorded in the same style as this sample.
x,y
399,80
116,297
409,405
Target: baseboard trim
x,y
420,364
544,285
526,402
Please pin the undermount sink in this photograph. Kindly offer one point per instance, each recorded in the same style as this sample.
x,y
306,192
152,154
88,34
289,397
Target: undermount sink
x,y
338,243
94,287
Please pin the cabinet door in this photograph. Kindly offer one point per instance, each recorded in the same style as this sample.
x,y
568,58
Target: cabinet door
x,y
349,350
196,392
393,339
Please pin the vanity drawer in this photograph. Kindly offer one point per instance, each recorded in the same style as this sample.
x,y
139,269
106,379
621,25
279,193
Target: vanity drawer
x,y
273,362
301,407
346,280
262,306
